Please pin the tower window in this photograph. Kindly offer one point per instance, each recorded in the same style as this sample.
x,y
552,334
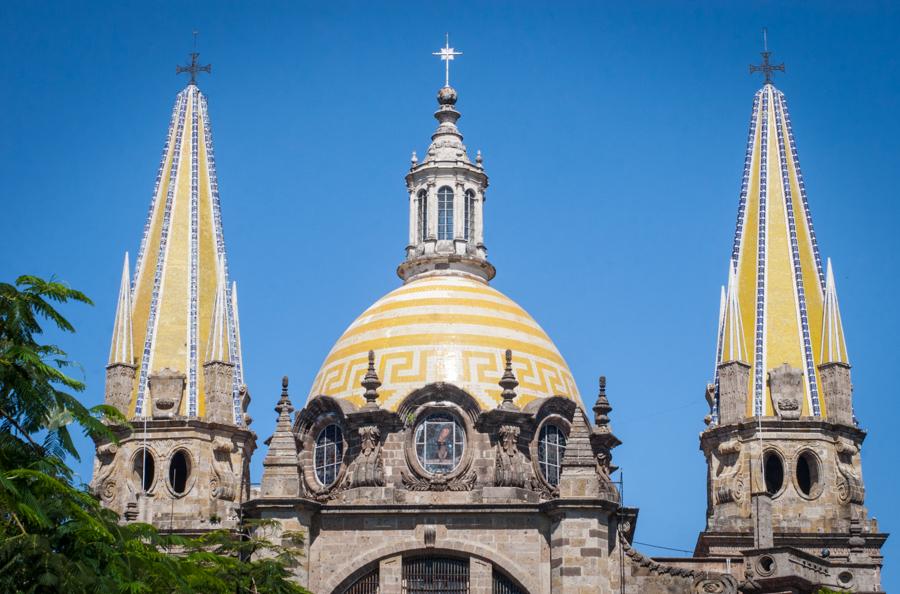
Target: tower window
x,y
551,447
445,213
807,474
440,442
143,469
774,472
329,454
179,472
470,215
422,211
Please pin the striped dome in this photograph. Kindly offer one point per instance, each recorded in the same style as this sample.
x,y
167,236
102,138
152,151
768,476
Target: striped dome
x,y
450,329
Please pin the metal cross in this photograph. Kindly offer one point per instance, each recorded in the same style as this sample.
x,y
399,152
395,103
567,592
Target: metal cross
x,y
447,53
194,68
766,68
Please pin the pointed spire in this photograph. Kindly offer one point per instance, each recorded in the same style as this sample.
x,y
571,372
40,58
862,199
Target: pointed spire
x,y
834,348
733,345
122,348
509,383
371,383
218,345
280,471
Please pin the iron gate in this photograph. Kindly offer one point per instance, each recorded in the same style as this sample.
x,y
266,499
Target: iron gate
x,y
428,575
504,585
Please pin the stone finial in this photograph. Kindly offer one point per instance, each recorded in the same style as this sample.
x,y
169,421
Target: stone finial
x,y
284,408
479,160
509,383
602,408
414,160
371,383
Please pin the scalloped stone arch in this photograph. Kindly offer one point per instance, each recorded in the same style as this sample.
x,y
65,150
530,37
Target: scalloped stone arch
x,y
411,545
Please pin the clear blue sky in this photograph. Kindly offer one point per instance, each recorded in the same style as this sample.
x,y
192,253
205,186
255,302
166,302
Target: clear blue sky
x,y
614,137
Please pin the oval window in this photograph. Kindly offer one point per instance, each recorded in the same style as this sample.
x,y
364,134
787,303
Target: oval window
x,y
551,447
328,454
440,442
144,469
807,473
774,472
179,472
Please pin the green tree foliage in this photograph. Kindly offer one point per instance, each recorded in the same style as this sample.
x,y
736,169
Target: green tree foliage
x,y
55,536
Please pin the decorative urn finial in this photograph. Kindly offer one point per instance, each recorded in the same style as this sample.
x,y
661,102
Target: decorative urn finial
x,y
509,383
602,407
371,383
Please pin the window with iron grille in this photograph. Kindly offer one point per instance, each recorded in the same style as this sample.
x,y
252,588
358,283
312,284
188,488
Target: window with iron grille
x,y
329,453
551,447
367,584
430,575
445,213
422,221
440,442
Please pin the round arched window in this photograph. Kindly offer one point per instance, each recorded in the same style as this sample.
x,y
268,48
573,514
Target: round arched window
x,y
329,454
440,443
551,447
179,472
808,474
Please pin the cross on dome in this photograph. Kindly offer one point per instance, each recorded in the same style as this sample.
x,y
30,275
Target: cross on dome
x,y
446,54
766,68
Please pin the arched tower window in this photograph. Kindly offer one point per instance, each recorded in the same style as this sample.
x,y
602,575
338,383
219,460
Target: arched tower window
x,y
551,447
470,215
329,454
445,213
422,210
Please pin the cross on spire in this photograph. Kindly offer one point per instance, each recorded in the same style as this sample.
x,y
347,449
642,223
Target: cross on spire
x,y
194,68
766,68
447,53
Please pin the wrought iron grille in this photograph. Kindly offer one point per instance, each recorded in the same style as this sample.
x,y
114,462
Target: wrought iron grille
x,y
503,585
427,575
367,584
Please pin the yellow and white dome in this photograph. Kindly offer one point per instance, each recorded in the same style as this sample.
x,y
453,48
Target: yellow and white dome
x,y
446,328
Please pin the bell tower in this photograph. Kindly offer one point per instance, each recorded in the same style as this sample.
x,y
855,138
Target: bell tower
x,y
182,464
782,444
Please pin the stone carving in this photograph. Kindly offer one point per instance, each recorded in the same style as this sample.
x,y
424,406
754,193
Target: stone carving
x,y
509,470
166,391
729,484
119,384
786,385
223,484
219,387
733,381
835,383
439,482
544,490
367,470
715,584
849,485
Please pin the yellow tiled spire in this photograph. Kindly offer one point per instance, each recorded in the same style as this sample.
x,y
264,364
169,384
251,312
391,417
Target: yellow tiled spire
x,y
833,348
776,298
122,348
181,265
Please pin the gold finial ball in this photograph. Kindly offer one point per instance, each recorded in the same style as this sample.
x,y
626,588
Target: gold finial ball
x,y
447,96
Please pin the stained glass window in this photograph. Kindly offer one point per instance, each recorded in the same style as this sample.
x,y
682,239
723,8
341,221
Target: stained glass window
x,y
440,442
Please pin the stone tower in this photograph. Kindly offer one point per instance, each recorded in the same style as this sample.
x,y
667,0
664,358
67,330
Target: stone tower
x,y
785,482
183,464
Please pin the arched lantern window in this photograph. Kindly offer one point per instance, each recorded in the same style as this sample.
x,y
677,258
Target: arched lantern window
x,y
422,214
445,213
470,215
551,447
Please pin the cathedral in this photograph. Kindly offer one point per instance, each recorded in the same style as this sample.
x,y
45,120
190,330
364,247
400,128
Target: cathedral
x,y
443,445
